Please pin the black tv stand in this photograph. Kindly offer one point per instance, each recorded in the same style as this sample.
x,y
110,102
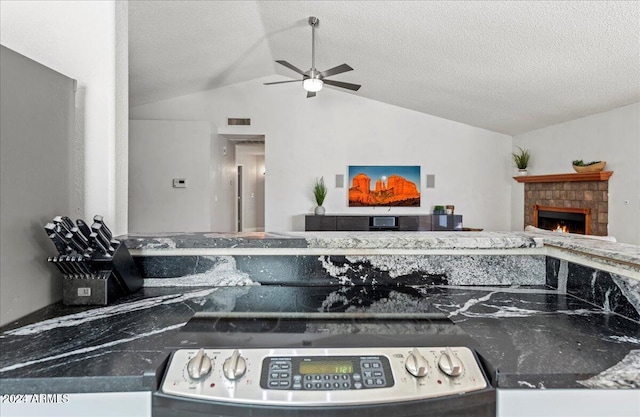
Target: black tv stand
x,y
383,222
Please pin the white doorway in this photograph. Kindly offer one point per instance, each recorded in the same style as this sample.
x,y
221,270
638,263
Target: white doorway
x,y
250,189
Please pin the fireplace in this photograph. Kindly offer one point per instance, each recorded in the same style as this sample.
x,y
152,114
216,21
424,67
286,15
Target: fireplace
x,y
586,194
562,219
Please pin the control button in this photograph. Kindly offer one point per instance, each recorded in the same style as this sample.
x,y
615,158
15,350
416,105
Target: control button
x,y
308,385
274,375
318,385
336,385
368,381
284,375
356,377
345,385
327,384
336,376
416,364
450,364
199,366
357,385
377,374
235,366
345,376
366,365
308,377
297,386
285,384
274,367
285,366
367,374
316,377
274,383
376,365
327,377
379,382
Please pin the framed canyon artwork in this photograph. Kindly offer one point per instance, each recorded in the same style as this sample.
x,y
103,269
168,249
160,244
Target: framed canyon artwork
x,y
384,186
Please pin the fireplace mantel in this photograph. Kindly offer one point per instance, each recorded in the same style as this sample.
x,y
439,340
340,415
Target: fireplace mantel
x,y
570,177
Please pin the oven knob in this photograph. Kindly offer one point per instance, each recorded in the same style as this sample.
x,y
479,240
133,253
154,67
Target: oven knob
x,y
449,363
416,364
199,366
234,366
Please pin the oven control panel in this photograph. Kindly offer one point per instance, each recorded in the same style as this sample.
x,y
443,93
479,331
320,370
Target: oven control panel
x,y
322,377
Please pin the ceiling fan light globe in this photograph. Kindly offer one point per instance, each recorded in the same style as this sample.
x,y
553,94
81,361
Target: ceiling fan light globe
x,y
312,84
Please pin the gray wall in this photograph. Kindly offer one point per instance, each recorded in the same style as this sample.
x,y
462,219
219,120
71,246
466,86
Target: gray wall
x,y
36,179
159,151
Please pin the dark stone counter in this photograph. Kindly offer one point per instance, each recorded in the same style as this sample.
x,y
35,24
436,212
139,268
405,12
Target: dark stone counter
x,y
535,337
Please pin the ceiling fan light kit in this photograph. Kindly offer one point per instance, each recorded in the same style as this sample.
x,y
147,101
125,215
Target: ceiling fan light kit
x,y
312,84
313,80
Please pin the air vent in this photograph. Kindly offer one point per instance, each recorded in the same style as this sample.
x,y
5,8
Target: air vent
x,y
238,122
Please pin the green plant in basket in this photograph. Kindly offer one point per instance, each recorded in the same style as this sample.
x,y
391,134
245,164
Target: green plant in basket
x,y
581,163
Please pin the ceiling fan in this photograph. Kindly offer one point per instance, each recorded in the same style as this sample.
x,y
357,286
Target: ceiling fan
x,y
313,80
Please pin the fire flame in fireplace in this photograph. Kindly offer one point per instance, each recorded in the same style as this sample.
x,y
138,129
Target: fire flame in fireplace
x,y
561,228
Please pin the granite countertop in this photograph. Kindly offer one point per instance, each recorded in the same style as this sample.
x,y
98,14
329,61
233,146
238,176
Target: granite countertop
x,y
605,252
535,336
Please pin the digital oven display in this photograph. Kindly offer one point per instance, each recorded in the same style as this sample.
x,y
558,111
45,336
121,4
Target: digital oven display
x,y
326,367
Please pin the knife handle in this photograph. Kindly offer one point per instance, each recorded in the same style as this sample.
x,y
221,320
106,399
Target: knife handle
x,y
60,245
95,243
84,228
62,224
100,220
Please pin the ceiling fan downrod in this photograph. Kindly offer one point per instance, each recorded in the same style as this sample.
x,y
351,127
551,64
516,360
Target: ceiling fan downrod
x,y
313,22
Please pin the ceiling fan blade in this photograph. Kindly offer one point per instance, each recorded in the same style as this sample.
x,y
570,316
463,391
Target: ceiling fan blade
x,y
311,94
348,86
336,70
282,82
291,67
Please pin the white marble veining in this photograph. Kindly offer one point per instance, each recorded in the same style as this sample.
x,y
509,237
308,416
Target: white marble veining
x,y
630,289
417,240
224,273
621,252
88,349
458,270
72,320
625,374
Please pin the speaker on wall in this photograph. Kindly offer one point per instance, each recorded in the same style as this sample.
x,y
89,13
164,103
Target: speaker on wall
x,y
431,181
339,181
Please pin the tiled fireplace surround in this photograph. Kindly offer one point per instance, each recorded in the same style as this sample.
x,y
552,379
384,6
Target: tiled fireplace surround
x,y
575,194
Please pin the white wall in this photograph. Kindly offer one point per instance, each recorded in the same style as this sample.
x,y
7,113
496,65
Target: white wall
x,y
223,184
159,152
612,136
87,41
251,157
309,138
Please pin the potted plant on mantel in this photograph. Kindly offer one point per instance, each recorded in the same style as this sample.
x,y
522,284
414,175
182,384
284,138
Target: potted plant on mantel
x,y
319,193
521,160
593,166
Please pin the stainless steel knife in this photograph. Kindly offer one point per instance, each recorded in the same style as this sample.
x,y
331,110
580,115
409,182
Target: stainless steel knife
x,y
98,228
107,232
96,244
62,224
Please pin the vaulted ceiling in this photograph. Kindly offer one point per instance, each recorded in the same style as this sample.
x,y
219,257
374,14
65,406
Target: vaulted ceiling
x,y
506,66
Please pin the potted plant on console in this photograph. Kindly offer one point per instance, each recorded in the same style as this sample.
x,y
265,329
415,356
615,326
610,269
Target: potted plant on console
x,y
319,193
521,160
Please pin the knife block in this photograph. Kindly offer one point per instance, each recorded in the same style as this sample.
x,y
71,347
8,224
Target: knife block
x,y
109,279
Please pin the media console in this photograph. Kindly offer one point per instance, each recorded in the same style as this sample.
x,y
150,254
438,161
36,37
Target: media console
x,y
402,223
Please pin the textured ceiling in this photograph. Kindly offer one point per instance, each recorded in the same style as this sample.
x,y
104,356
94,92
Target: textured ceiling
x,y
509,67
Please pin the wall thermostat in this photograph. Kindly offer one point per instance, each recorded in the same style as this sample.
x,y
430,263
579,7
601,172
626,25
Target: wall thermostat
x,y
179,183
